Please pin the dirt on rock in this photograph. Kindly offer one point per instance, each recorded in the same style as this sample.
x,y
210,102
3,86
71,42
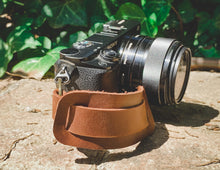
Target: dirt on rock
x,y
187,135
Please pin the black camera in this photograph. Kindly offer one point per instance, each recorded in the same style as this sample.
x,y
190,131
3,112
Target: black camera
x,y
118,59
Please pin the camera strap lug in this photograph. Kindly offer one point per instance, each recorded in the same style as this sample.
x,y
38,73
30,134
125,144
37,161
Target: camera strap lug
x,y
62,78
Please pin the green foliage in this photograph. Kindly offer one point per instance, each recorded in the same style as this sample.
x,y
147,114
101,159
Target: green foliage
x,y
21,38
33,32
186,11
78,36
97,27
131,11
4,58
37,66
160,8
61,13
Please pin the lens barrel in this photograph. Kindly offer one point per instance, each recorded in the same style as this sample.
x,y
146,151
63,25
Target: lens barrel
x,y
161,65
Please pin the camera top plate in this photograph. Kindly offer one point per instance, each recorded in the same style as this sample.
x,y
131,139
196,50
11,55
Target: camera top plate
x,y
113,32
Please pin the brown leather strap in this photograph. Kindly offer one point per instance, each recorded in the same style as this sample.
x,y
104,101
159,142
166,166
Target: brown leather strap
x,y
101,120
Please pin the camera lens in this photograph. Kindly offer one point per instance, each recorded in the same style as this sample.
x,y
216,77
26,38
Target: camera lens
x,y
161,65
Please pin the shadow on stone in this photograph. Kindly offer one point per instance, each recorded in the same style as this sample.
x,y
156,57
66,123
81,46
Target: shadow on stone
x,y
184,114
159,137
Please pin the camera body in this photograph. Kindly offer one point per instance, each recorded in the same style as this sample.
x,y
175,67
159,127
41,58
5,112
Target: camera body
x,y
118,59
94,63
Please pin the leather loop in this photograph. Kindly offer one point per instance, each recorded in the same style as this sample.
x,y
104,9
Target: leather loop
x,y
110,117
101,120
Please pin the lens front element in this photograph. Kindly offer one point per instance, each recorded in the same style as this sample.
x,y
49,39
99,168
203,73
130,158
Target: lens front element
x,y
181,74
161,65
180,77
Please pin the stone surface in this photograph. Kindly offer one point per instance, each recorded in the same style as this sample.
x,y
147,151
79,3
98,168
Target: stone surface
x,y
187,135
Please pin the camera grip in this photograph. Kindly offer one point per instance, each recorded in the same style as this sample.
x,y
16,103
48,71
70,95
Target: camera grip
x,y
101,120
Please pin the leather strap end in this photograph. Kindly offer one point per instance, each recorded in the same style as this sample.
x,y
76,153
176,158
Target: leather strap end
x,y
101,120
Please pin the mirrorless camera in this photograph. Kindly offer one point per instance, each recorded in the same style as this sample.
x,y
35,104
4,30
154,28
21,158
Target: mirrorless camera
x,y
118,59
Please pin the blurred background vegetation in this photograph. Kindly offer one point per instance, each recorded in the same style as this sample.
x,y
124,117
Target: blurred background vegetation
x,y
32,32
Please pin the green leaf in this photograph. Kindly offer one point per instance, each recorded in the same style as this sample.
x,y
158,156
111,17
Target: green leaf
x,y
130,11
172,23
78,36
38,22
115,2
106,10
45,42
186,11
61,13
204,22
23,21
29,53
21,38
210,52
161,8
36,67
4,57
151,26
62,39
97,27
207,33
18,3
99,11
33,6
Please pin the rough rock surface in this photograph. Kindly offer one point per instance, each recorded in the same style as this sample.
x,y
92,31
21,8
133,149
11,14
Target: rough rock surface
x,y
187,135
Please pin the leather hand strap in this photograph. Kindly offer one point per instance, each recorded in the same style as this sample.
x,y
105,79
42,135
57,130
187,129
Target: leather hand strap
x,y
101,120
